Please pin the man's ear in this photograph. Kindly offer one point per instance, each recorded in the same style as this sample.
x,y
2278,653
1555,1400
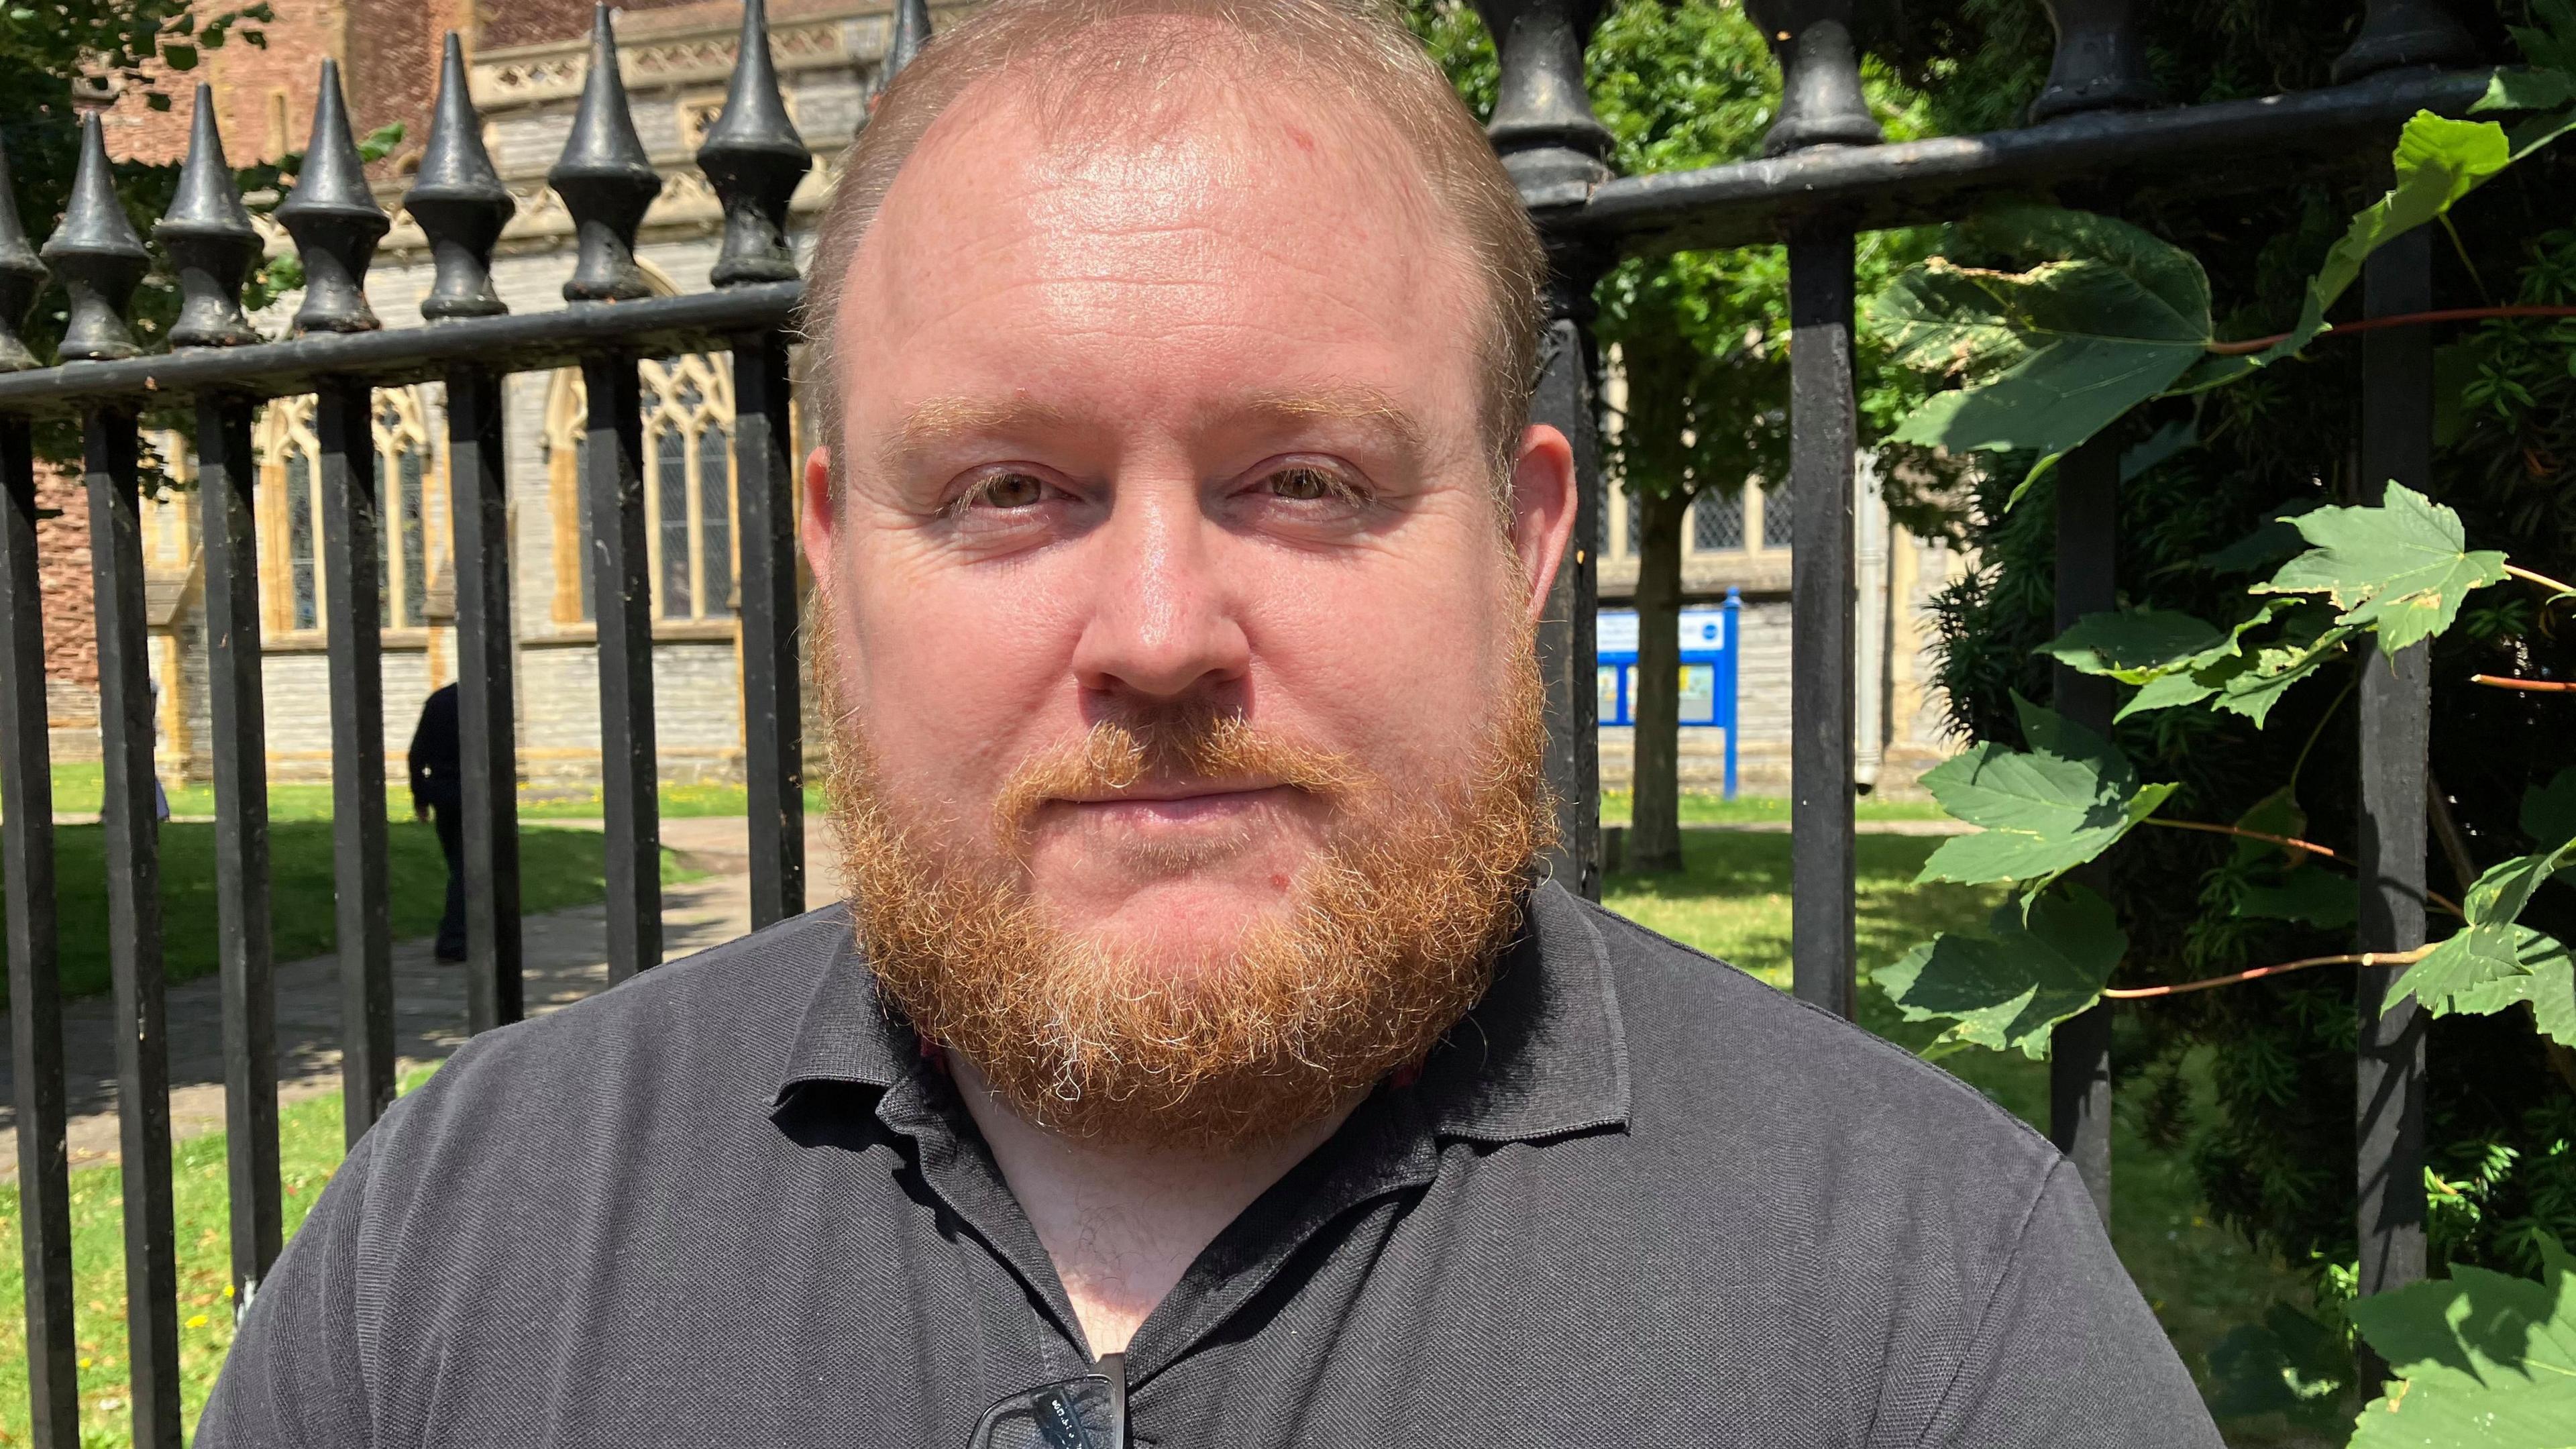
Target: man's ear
x,y
1542,510
820,524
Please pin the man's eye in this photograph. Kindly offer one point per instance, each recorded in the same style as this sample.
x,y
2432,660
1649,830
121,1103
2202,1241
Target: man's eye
x,y
1308,485
1004,490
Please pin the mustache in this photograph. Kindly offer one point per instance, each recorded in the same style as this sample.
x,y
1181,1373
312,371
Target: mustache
x,y
1181,742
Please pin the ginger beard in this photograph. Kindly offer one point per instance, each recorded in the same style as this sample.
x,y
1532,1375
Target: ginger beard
x,y
1384,942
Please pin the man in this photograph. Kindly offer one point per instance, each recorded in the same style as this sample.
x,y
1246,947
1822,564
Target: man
x,y
437,759
1197,1063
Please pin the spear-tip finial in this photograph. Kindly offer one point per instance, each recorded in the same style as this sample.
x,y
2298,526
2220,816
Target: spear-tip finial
x,y
22,275
98,256
911,33
207,232
605,178
334,219
459,200
755,159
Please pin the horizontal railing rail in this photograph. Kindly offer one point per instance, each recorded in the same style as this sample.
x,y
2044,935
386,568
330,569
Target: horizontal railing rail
x,y
521,342
2085,159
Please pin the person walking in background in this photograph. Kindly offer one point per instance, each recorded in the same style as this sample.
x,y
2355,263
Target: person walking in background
x,y
438,795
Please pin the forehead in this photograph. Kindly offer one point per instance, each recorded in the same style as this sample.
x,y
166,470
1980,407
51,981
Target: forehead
x,y
1214,218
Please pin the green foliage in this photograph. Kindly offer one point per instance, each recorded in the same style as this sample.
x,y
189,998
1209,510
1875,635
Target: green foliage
x,y
2034,967
2492,962
2482,1359
2271,1141
2438,161
2107,316
2103,318
2399,569
2046,810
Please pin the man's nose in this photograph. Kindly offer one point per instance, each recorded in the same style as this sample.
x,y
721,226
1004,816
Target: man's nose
x,y
1164,623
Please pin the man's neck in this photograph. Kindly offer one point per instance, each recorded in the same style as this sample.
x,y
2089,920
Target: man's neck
x,y
1123,1223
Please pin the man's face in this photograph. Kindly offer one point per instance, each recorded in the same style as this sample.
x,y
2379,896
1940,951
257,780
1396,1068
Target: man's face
x,y
1182,423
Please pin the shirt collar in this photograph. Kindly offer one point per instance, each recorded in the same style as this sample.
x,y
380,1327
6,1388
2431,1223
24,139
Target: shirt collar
x,y
1542,1055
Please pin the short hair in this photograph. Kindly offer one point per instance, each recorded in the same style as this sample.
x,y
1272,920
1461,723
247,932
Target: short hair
x,y
1354,51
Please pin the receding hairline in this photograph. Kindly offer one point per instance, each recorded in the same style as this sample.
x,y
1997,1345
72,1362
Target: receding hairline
x,y
1079,58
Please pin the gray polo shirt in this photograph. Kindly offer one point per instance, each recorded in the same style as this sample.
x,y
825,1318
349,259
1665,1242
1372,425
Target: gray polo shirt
x,y
1638,1198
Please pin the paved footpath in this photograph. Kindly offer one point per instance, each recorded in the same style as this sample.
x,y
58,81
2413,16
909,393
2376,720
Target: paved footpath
x,y
565,960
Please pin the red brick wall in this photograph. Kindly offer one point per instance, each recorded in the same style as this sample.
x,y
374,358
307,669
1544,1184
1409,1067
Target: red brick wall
x,y
388,52
62,573
526,22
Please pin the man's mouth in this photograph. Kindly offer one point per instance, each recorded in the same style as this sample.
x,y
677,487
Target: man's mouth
x,y
1152,804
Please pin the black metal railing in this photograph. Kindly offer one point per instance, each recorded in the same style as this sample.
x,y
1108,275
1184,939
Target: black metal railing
x,y
1827,177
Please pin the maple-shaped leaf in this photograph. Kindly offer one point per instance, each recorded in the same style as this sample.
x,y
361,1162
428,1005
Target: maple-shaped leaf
x,y
2104,317
2045,810
2399,568
2438,160
2253,683
2483,1360
2493,961
2005,989
2177,659
2134,645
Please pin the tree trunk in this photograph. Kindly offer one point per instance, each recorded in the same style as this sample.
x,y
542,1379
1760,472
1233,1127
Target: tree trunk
x,y
1655,837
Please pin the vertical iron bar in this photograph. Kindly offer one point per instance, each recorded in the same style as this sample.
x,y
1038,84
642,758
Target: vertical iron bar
x,y
478,502
132,833
244,943
772,704
2079,1056
1824,431
622,602
1567,399
352,562
35,982
2396,729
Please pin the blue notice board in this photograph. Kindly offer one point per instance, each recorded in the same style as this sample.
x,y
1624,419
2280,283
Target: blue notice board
x,y
1711,640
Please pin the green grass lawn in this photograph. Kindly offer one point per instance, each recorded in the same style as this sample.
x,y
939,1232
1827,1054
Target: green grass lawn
x,y
1698,809
1732,901
82,790
310,1149
557,868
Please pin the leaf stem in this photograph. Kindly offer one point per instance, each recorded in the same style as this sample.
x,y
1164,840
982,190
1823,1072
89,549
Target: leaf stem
x,y
2404,319
2284,841
2436,899
2505,681
2360,958
2544,580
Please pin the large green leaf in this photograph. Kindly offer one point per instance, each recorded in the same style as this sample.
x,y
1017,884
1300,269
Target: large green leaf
x,y
2032,970
2438,161
2493,961
2483,1360
2104,317
2045,810
2178,660
2400,568
2134,645
2256,682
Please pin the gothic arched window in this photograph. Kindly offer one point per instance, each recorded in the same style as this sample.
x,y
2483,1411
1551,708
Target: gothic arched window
x,y
293,594
688,489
